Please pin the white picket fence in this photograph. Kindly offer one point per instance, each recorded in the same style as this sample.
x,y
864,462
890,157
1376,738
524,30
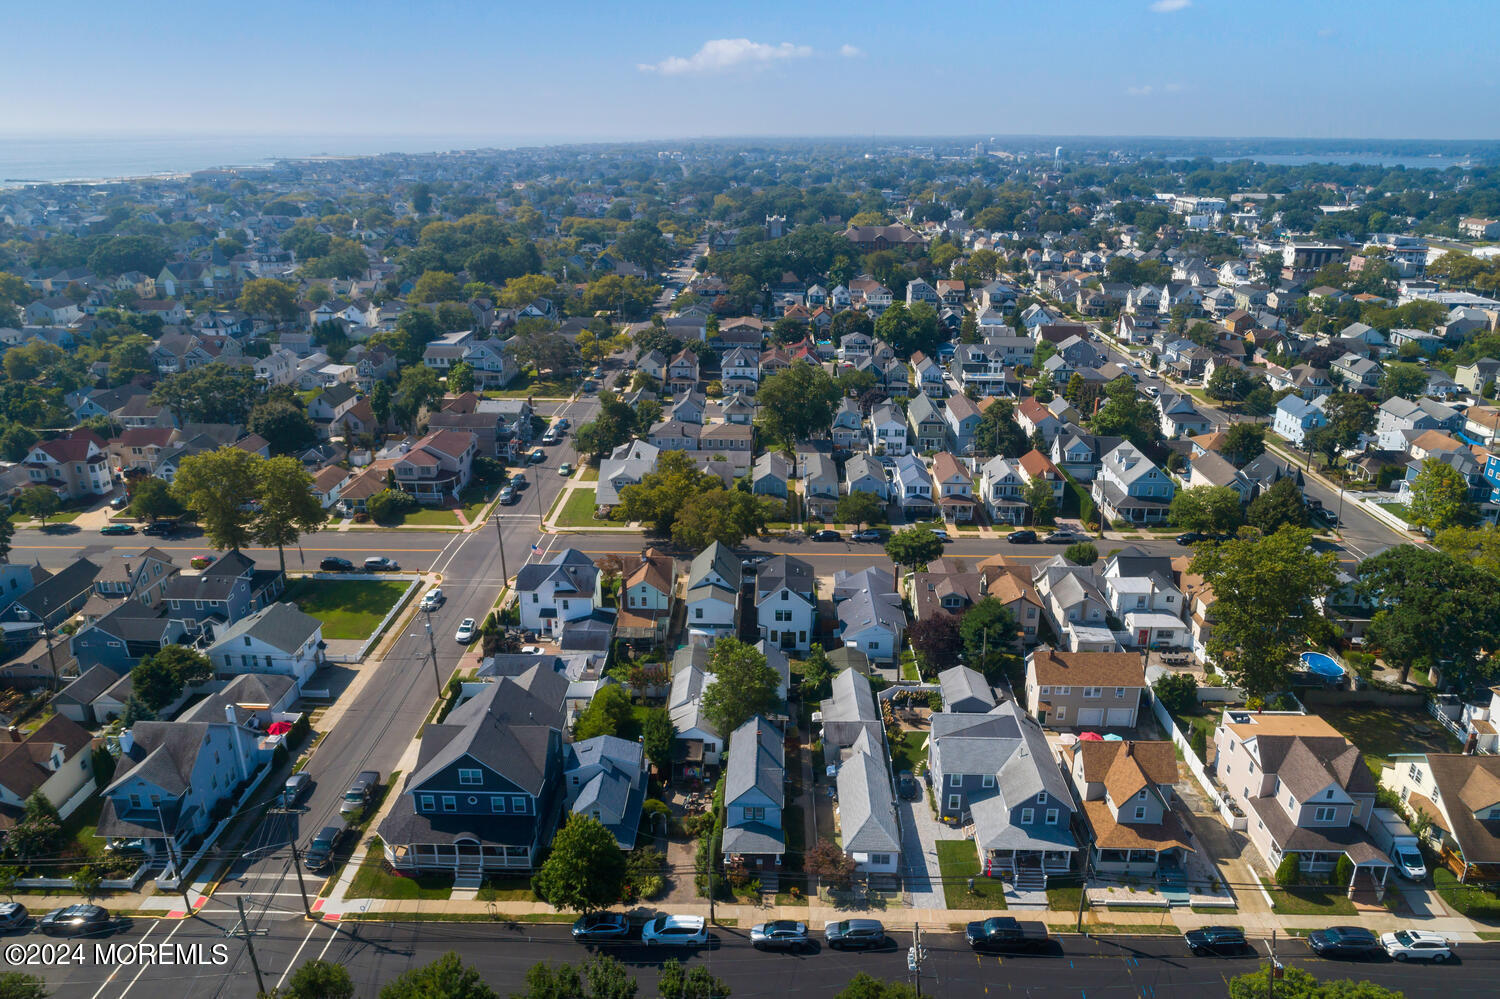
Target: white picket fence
x,y
1196,767
170,879
414,583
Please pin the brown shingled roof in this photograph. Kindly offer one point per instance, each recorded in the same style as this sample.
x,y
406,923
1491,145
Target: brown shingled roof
x,y
1088,669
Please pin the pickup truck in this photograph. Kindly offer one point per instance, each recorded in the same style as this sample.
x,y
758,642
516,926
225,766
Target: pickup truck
x,y
1006,935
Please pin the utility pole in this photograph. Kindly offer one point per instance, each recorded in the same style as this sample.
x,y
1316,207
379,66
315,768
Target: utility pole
x,y
297,863
182,881
260,983
432,644
504,573
1272,971
915,956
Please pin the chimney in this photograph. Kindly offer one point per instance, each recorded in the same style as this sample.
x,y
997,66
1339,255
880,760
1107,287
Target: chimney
x,y
14,732
229,714
1129,747
127,741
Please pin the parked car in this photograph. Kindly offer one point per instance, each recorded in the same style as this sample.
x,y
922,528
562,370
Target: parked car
x,y
563,423
466,630
1004,934
1417,945
120,502
1021,538
13,916
826,535
519,481
335,564
907,787
1344,941
780,934
379,563
508,496
589,385
676,931
537,456
941,534
295,787
117,529
1190,538
160,528
1063,538
855,934
75,921
868,535
433,599
1217,940
565,469
550,438
319,852
360,792
601,926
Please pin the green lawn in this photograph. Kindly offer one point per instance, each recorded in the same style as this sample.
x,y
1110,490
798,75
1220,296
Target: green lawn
x,y
908,752
529,385
958,861
909,666
1398,509
373,881
1064,898
1379,732
501,889
1309,900
1204,719
578,510
348,608
431,516
1475,903
588,474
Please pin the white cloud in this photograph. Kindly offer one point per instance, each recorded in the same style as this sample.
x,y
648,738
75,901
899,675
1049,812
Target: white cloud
x,y
721,54
1147,89
1170,6
1138,91
850,51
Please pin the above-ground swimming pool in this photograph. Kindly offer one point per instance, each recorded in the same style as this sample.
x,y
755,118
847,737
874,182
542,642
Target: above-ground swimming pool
x,y
1323,665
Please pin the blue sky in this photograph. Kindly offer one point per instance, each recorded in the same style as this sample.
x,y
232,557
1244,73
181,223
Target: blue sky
x,y
507,72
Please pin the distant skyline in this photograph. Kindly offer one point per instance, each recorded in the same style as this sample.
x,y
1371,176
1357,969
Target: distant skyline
x,y
470,73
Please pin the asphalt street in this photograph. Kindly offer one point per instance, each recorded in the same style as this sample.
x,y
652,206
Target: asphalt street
x,y
1149,967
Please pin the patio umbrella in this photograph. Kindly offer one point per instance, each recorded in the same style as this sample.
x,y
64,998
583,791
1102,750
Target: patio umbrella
x,y
278,728
1112,737
1090,737
1067,738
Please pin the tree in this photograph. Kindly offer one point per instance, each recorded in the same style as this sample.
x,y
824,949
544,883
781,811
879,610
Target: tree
x,y
285,426
859,508
446,978
936,642
817,673
286,505
1039,497
1280,506
1266,592
155,682
1127,414
436,286
743,685
696,982
1295,983
909,329
1479,546
1289,871
796,402
1206,509
611,426
130,358
86,881
389,505
38,502
19,985
1081,553
319,979
527,288
380,402
214,393
268,298
585,871
642,244
220,486
828,862
417,389
1229,382
1243,443
7,535
725,516
913,548
657,734
608,712
1178,692
1434,610
1405,380
421,198
863,986
660,494
461,378
1439,497
1349,415
990,632
999,433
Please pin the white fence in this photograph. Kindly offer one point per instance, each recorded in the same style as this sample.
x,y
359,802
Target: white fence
x,y
110,884
1227,809
170,879
74,803
414,583
1448,723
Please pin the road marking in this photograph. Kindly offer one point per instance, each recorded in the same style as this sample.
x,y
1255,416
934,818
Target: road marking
x,y
119,968
144,966
293,962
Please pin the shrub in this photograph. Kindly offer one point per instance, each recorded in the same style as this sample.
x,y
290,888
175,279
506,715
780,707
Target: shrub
x,y
1082,553
1343,872
1199,742
1289,871
1178,693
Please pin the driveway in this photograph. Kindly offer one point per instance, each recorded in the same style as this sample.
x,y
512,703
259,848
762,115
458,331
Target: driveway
x,y
920,833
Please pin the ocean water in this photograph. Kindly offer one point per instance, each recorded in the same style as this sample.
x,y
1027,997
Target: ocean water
x,y
50,159
1352,159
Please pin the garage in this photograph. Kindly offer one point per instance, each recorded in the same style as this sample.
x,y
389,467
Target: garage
x,y
1121,718
1090,716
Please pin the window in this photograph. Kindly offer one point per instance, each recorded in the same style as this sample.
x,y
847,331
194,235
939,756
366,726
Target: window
x,y
1052,816
988,780
1061,712
1041,797
1119,691
1325,814
756,814
955,780
1093,691
1044,691
470,777
1140,812
955,802
1414,774
497,803
698,613
1027,816
1329,795
1063,691
518,804
450,803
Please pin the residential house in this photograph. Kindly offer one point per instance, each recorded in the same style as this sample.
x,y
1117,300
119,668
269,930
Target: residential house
x,y
848,425
928,427
954,488
438,467
713,592
754,794
1130,487
1459,794
869,614
698,743
869,830
1305,791
786,603
605,778
648,597
739,370
74,464
1357,371
851,712
1001,490
1011,584
888,434
1126,791
864,474
1295,416
487,789
820,485
1074,605
682,372
965,691
1036,419
1079,453
277,639
1037,467
962,418
1474,377
626,465
552,594
769,475
913,487
1398,420
1179,417
1085,689
54,760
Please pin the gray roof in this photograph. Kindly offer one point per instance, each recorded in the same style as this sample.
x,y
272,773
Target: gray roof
x,y
960,684
249,694
61,588
964,743
684,701
867,809
757,760
777,660
784,570
570,571
715,559
866,609
507,727
281,626
851,709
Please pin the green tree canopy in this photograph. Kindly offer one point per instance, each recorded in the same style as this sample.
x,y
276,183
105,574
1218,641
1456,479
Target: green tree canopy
x,y
268,298
660,494
284,425
796,402
990,632
914,548
859,508
318,979
1243,443
38,502
743,685
1266,592
446,978
1434,610
219,487
1208,509
1280,506
585,871
610,427
287,507
1439,497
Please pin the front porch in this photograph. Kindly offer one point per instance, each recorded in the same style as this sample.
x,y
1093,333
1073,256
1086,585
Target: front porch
x,y
958,509
1026,869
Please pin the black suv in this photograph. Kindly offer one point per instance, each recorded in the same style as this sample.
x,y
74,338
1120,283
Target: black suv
x,y
1003,934
1217,940
1345,941
1021,538
319,853
335,564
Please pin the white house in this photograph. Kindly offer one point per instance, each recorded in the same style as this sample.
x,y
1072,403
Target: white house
x,y
1295,416
713,592
550,594
277,639
786,603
